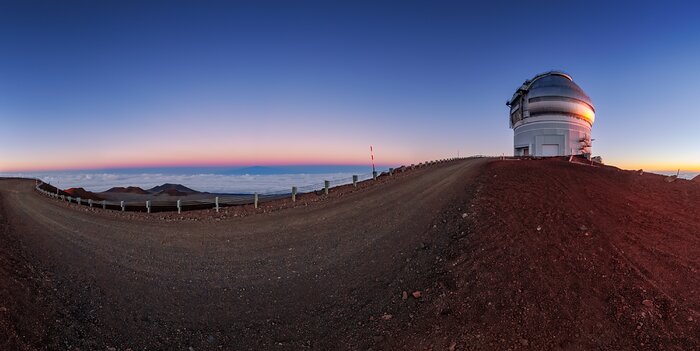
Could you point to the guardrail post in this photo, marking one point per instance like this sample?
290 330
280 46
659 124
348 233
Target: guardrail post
90 202
326 185
70 199
374 175
216 202
391 171
104 204
294 194
256 200
148 206
63 197
122 204
78 201
179 208
354 181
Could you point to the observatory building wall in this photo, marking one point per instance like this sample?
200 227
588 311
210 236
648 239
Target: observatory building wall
551 116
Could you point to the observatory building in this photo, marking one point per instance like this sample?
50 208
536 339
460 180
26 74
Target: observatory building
551 116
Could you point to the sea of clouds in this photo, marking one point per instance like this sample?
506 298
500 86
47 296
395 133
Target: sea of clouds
683 175
215 183
209 182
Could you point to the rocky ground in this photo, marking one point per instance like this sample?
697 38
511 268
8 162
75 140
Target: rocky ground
559 256
475 254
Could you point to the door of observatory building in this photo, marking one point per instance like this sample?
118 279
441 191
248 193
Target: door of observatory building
522 151
550 150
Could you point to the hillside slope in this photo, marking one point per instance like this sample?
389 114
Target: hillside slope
471 255
555 255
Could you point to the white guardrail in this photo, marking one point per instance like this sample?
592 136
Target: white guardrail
230 200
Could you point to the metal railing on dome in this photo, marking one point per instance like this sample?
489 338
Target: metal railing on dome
217 201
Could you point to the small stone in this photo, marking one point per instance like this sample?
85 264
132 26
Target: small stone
416 294
387 316
690 318
453 346
648 303
3 309
583 228
524 342
404 295
539 228
464 215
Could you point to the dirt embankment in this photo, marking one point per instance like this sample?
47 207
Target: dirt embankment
559 256
539 254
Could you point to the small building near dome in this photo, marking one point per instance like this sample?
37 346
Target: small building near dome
551 116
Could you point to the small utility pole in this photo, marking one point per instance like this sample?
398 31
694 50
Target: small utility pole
371 152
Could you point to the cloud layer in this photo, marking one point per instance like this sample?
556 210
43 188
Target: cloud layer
215 183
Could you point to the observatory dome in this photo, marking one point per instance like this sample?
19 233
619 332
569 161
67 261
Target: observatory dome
551 116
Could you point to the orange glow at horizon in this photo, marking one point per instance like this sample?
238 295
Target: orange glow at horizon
660 166
197 159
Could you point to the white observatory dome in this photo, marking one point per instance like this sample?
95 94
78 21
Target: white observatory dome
551 116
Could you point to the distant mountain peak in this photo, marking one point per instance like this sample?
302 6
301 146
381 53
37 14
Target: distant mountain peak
130 190
82 193
169 188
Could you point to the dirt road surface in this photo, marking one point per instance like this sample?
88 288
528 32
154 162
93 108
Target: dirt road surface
329 275
471 255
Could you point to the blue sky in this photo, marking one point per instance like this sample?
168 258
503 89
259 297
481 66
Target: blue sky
88 84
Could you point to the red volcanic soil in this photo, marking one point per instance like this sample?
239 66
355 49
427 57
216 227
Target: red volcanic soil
130 190
52 189
469 255
697 178
554 255
83 194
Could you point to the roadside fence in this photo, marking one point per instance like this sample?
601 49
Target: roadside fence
217 201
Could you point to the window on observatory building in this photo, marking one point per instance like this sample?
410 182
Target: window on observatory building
516 116
559 98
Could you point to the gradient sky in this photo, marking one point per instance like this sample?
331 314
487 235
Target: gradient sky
95 84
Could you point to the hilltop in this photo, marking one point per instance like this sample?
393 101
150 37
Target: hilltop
555 255
83 194
168 188
127 190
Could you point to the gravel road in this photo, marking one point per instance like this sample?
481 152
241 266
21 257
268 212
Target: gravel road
325 275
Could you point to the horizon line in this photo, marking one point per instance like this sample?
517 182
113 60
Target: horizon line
232 166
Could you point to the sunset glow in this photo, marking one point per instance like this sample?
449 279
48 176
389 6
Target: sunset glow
313 87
